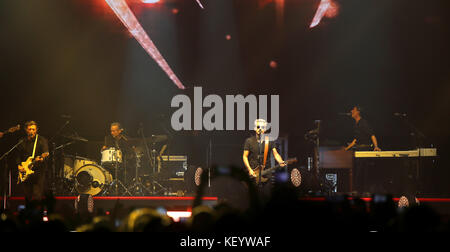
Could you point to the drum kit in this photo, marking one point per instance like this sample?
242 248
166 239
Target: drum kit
82 175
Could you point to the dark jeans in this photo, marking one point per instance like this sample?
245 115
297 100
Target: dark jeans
34 187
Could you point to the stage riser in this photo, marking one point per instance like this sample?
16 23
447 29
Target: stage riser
110 203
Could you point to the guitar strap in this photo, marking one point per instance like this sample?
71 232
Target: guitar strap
266 150
35 144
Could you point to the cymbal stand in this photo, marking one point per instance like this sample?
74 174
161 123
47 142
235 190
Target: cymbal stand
313 136
152 159
59 180
55 176
116 181
154 164
137 187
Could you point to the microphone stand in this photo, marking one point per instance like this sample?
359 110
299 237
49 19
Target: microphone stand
313 136
415 132
54 175
417 136
5 194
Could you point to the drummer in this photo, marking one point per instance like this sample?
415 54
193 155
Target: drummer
119 141
116 139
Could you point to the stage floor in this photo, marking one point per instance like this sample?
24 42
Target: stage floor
441 205
109 203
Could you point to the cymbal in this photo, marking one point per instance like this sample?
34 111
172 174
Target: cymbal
76 138
152 139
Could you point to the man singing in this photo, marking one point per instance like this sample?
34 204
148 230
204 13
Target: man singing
364 140
254 149
38 145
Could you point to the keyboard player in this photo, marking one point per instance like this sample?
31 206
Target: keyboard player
364 140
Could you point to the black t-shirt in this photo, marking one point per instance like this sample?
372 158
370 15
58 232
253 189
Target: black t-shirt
363 132
256 151
25 150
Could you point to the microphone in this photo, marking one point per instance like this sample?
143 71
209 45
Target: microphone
345 114
400 114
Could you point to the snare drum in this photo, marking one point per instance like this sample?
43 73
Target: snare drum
111 156
92 179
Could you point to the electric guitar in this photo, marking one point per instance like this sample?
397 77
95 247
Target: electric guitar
11 130
265 172
28 168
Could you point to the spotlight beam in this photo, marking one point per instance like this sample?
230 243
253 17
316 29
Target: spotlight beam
323 7
124 13
200 4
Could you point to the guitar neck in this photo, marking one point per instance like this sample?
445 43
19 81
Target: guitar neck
11 130
271 169
266 171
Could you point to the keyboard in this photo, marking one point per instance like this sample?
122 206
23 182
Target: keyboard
421 152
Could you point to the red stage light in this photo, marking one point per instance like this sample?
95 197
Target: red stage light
150 1
273 64
327 8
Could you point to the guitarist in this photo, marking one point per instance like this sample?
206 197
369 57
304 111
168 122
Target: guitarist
34 186
257 149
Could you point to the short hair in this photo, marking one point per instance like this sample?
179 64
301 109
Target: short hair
30 123
116 124
261 121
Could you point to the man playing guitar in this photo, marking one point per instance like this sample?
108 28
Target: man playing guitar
255 154
35 146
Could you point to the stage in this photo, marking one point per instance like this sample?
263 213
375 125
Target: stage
116 105
184 204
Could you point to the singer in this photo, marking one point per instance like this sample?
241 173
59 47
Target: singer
36 146
364 138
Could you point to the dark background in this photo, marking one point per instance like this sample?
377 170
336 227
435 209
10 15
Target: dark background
75 57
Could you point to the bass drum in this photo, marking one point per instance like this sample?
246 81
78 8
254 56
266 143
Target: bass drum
92 179
73 163
82 161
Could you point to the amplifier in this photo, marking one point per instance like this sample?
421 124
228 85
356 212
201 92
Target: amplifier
335 158
173 167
